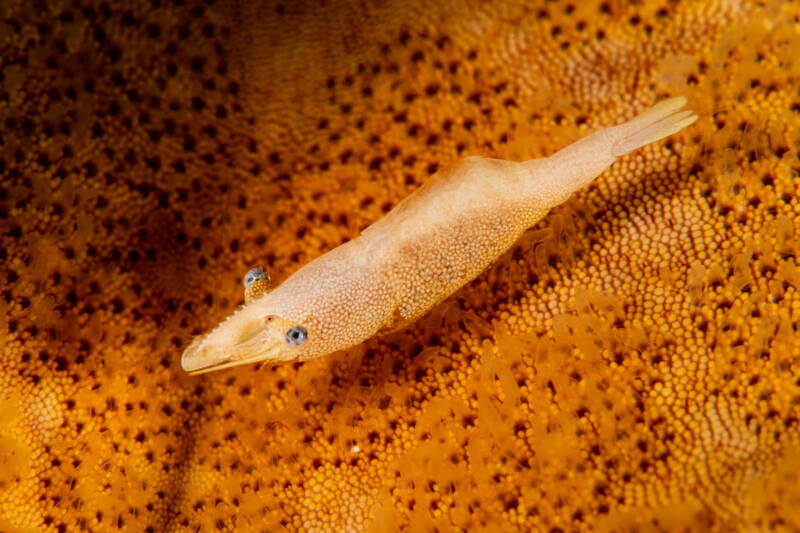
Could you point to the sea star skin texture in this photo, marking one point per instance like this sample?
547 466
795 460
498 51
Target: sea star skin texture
436 240
629 365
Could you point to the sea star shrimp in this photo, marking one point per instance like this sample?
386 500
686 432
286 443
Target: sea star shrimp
433 242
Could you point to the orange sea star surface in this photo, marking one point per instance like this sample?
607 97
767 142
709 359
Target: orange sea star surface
630 365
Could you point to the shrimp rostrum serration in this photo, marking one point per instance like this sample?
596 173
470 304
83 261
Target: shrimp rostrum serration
433 242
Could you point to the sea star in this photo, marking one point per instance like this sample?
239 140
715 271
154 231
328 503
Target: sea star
629 364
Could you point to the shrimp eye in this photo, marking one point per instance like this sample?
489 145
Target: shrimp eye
296 336
253 275
256 284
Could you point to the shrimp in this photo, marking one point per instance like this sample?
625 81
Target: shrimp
433 242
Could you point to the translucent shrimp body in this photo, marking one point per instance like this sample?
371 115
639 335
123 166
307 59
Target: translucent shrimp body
436 240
